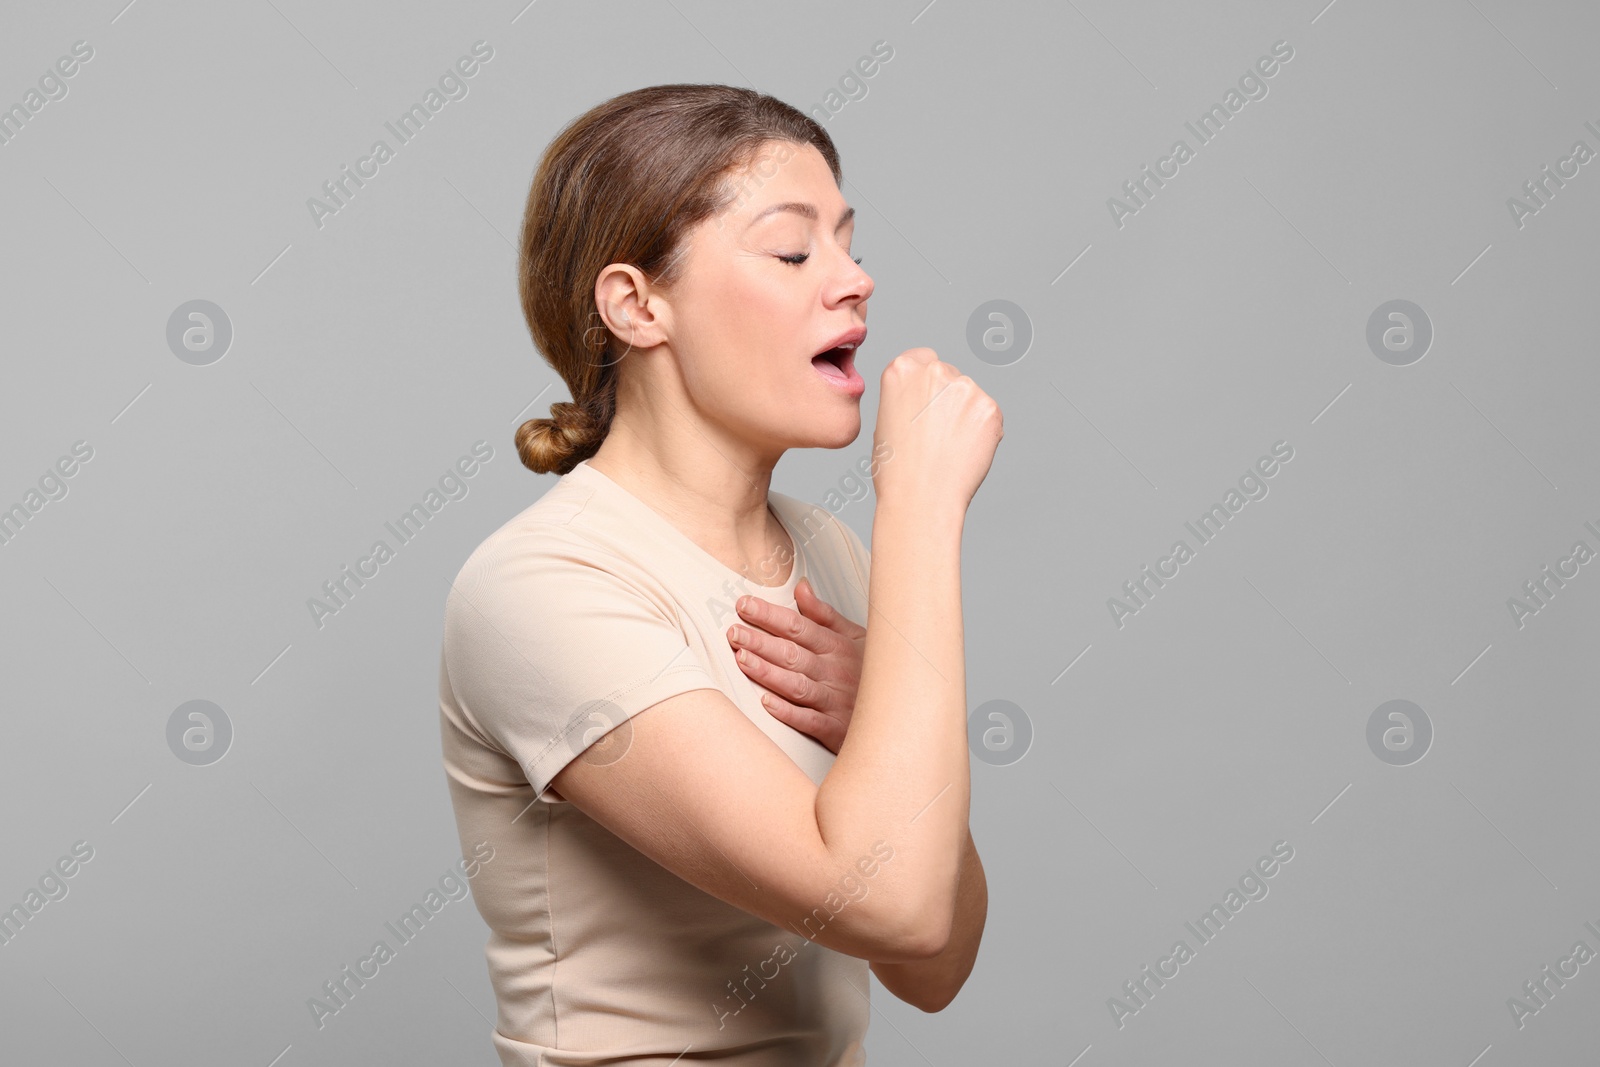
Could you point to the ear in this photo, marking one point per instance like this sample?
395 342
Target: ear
629 306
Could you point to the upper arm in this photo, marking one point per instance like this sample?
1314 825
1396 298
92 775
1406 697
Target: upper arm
694 785
591 686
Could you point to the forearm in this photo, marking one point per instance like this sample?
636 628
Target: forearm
902 774
931 984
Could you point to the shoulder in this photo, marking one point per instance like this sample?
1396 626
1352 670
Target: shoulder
545 552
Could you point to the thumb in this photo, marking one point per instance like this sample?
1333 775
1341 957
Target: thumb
818 610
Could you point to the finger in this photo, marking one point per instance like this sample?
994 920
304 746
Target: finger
827 730
785 623
780 651
793 685
814 607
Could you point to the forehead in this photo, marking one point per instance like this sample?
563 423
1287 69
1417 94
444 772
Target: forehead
783 172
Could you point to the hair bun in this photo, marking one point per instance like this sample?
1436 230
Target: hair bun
571 434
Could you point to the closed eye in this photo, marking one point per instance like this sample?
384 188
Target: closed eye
800 257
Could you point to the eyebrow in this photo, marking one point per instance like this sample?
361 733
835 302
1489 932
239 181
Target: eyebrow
803 210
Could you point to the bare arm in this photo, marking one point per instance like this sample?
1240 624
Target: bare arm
931 984
902 772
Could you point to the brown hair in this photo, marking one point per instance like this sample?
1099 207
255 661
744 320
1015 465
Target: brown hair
623 183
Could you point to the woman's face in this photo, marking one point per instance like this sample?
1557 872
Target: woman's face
764 287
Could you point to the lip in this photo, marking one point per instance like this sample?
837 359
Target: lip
852 337
851 384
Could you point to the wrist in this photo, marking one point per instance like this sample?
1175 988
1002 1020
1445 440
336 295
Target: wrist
940 518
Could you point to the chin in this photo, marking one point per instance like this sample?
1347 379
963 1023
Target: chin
832 430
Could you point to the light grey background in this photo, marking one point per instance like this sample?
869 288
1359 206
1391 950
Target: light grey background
1168 355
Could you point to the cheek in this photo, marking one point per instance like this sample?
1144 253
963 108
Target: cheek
750 328
765 322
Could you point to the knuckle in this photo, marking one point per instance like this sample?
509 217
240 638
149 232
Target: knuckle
910 359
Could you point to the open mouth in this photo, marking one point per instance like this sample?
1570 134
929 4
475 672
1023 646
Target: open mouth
838 363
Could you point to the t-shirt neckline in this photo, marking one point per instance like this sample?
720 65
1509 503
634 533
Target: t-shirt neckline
684 541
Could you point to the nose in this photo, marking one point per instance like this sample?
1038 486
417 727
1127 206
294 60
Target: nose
854 285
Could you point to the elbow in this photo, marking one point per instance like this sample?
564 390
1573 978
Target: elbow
933 1004
923 933
929 941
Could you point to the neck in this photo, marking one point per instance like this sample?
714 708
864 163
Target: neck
712 488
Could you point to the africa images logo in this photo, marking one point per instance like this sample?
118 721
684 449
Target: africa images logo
452 885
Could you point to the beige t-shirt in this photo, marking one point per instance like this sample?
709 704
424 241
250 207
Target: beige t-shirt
581 611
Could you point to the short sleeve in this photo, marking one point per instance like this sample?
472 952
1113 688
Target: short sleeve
546 649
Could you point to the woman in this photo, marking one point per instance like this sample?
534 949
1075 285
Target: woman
680 874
